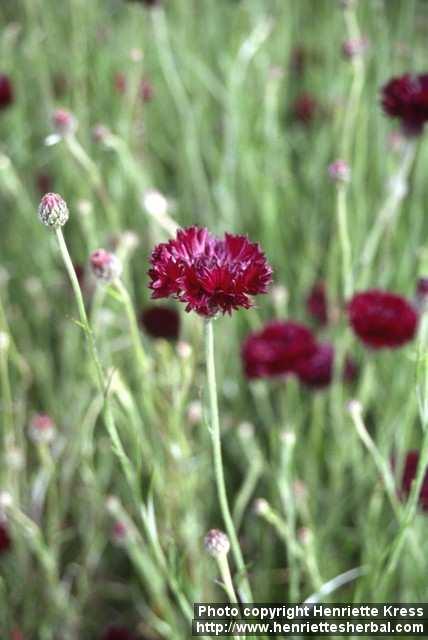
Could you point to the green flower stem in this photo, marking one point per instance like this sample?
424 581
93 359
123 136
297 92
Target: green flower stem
218 461
133 326
101 381
345 244
91 170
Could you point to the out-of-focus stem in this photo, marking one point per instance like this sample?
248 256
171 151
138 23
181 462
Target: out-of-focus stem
101 381
91 169
345 244
388 212
218 459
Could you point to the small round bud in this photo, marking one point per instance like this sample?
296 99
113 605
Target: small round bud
194 412
422 294
339 171
155 203
354 47
53 210
216 543
119 533
355 408
105 265
112 504
41 429
261 506
4 341
279 295
101 134
184 350
6 500
64 122
288 438
246 430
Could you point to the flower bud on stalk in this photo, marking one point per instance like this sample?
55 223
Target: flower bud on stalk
53 210
216 543
105 265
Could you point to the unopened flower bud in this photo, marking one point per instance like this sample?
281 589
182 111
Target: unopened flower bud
64 122
41 429
53 210
355 408
119 533
105 265
184 350
354 47
216 543
155 203
422 294
261 506
4 341
339 171
101 134
194 412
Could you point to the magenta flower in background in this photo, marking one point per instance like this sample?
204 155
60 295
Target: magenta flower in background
277 349
210 275
406 98
6 91
161 322
409 474
316 370
382 319
118 633
305 108
5 540
317 304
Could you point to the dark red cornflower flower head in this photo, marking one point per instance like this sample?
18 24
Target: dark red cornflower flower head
6 91
317 304
44 183
118 633
305 108
316 370
210 275
406 98
382 319
5 539
161 322
277 349
409 474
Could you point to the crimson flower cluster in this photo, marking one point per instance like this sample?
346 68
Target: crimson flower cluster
287 347
382 319
210 275
409 474
161 322
406 98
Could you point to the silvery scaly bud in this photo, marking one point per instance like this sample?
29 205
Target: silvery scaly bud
261 506
339 171
41 429
105 265
53 210
119 533
155 202
216 543
64 122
